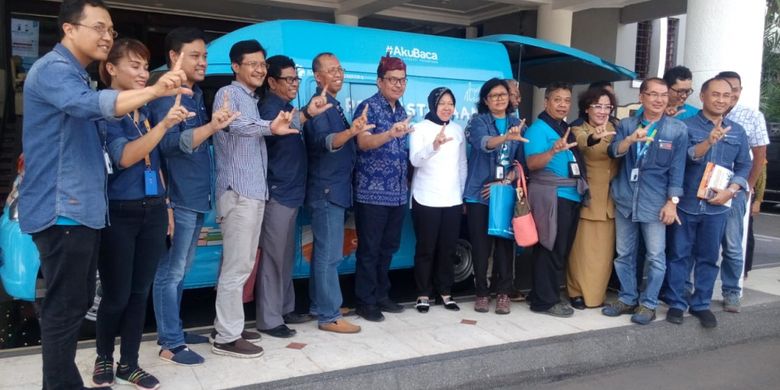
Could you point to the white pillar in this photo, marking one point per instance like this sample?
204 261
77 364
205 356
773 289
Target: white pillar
725 35
555 26
347 20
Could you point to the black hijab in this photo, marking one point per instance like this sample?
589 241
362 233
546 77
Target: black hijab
433 103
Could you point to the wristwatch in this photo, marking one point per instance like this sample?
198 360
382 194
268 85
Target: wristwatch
675 199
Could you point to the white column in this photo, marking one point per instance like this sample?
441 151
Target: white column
725 35
555 26
347 20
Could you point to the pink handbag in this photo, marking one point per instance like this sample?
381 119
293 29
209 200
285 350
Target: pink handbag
523 221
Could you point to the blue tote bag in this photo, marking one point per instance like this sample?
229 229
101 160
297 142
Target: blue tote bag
500 211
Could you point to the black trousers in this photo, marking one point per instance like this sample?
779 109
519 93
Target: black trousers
129 252
750 247
68 261
437 230
481 246
549 265
379 237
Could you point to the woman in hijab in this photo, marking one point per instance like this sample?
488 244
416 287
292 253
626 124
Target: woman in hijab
437 150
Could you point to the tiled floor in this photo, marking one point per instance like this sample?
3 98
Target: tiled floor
400 336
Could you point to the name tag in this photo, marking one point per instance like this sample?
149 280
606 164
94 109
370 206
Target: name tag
574 169
634 175
666 145
107 159
150 182
499 172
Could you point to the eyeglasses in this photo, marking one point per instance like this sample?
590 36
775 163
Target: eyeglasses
498 96
254 65
100 29
602 107
395 80
335 71
290 79
656 95
682 92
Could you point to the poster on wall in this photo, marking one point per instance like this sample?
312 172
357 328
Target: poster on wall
24 40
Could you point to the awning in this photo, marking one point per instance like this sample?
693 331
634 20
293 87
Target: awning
543 62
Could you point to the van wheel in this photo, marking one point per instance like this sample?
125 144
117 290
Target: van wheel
463 266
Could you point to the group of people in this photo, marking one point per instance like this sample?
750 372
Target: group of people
139 156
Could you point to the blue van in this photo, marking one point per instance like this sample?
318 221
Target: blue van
462 65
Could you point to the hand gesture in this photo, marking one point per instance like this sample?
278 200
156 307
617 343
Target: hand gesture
360 124
640 134
318 104
441 138
601 132
401 128
717 133
513 134
176 114
721 197
223 117
170 83
562 143
281 124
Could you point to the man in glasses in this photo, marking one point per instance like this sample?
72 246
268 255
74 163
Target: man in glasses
274 293
62 201
646 192
680 81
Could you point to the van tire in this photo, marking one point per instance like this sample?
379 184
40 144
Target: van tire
462 264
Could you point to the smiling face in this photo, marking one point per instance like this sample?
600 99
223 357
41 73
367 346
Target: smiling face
445 108
558 103
497 100
330 74
655 98
130 72
679 92
392 85
194 62
282 86
83 38
716 100
598 112
252 70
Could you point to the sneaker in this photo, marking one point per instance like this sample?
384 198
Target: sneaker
370 313
674 316
617 308
731 303
706 318
248 335
389 306
142 380
181 355
482 304
560 309
339 326
503 304
103 374
423 304
281 331
240 348
643 316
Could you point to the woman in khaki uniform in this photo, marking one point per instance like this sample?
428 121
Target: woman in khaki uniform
590 259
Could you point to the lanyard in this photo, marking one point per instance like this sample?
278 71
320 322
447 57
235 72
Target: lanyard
641 148
134 118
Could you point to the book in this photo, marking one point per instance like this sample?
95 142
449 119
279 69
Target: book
715 177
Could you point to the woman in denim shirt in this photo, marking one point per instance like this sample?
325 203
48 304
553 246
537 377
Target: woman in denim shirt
495 139
135 240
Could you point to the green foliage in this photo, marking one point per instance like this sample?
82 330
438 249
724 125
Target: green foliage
770 74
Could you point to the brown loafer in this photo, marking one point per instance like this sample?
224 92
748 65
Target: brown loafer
340 326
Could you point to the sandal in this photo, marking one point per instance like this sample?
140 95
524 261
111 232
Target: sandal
422 305
449 303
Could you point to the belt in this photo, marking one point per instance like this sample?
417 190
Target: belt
138 204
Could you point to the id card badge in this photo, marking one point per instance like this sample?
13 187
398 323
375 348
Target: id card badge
150 182
634 175
574 169
107 159
499 172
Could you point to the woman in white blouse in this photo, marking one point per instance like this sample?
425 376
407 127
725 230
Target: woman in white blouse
437 149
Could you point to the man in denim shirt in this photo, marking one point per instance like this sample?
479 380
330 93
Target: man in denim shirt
646 192
62 199
696 242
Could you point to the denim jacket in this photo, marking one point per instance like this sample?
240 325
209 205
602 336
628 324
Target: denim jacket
661 170
482 161
330 169
730 152
189 171
65 169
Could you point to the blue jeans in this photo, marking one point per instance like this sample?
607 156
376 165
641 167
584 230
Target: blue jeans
168 282
327 226
693 245
733 257
654 236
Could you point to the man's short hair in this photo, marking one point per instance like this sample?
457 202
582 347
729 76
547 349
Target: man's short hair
554 86
600 84
242 48
674 74
729 74
180 36
72 11
646 83
315 63
706 85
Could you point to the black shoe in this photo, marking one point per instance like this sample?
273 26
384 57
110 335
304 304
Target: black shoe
577 303
449 304
370 313
281 331
103 373
674 316
127 375
389 306
706 318
297 318
422 305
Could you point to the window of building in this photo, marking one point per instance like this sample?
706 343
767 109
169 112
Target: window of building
644 36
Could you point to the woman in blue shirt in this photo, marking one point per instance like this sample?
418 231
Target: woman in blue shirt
495 139
135 240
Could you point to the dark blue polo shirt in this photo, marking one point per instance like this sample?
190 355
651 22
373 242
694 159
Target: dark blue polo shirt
286 157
